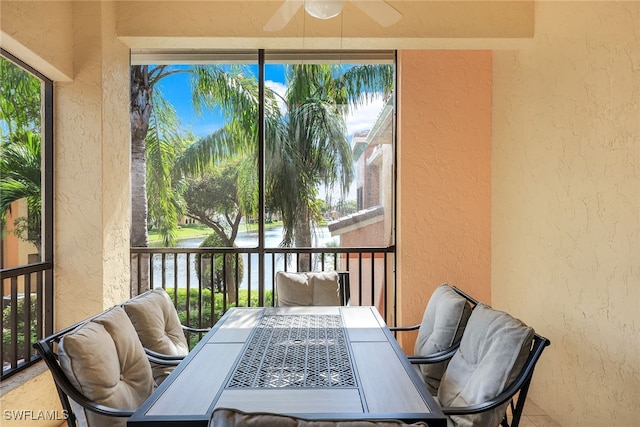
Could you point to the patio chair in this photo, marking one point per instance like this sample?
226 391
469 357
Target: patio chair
156 321
439 333
495 361
100 365
329 288
227 417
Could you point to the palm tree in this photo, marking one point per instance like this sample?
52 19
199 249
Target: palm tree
315 150
308 146
227 88
20 156
20 178
163 143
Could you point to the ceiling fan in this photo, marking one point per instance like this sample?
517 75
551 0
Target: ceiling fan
379 10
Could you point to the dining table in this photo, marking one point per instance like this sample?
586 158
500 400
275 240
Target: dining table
316 362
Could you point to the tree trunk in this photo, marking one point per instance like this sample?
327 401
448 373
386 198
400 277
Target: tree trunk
139 115
230 279
302 238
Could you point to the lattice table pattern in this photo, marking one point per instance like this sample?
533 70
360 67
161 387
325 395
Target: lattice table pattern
305 351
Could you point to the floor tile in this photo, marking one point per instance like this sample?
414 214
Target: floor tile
531 408
543 421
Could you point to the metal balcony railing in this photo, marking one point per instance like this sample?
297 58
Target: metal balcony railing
27 313
198 279
203 282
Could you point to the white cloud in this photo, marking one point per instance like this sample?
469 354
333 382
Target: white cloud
364 117
280 89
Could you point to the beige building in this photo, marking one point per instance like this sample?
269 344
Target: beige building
518 163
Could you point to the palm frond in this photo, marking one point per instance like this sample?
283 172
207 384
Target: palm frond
225 143
231 89
20 176
20 99
162 142
360 84
247 186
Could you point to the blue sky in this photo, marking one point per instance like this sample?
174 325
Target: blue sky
177 90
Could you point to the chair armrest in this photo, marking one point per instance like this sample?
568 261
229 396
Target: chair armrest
403 328
437 357
195 330
163 359
500 399
98 408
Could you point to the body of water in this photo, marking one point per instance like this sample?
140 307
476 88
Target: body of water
246 239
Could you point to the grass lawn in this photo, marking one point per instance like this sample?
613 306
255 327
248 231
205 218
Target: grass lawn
197 230
184 232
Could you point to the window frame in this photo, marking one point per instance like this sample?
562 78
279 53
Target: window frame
41 271
152 56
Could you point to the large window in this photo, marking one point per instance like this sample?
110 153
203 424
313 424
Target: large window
271 151
26 210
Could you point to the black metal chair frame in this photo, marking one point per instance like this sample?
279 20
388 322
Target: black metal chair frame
519 386
48 350
344 289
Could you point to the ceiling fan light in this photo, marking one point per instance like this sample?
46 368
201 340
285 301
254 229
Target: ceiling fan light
323 9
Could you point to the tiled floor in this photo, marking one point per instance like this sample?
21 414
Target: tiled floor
533 416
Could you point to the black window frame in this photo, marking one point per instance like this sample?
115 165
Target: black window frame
40 272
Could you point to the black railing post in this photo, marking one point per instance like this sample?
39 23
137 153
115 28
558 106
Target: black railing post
179 260
261 176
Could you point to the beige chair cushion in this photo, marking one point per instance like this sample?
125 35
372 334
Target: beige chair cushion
443 323
309 288
224 417
105 361
156 321
493 350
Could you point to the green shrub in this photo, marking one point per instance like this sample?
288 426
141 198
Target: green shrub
222 263
206 318
6 330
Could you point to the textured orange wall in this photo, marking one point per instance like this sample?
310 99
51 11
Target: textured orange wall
444 164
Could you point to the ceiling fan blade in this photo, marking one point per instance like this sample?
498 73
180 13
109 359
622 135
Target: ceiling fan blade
283 15
379 10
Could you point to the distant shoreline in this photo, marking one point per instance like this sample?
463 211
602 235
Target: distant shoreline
190 232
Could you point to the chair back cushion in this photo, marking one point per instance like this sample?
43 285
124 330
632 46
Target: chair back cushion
156 321
309 288
105 361
224 417
493 350
443 323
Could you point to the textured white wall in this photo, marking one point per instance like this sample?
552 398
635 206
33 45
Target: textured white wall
40 34
566 205
91 148
92 170
116 161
